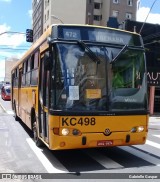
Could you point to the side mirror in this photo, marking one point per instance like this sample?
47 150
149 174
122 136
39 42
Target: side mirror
47 61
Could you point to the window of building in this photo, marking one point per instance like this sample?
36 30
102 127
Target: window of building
97 5
129 2
128 15
138 5
115 1
97 17
47 14
46 3
115 13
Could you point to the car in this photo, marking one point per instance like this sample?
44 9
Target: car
6 92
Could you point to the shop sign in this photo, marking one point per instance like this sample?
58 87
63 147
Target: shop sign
153 76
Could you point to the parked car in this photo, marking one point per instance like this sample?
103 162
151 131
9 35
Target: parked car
6 92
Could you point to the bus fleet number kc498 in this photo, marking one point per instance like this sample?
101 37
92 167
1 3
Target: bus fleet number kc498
78 121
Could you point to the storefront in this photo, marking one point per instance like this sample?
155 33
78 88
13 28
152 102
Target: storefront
153 76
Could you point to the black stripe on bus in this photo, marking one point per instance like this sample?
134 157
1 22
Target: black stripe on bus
97 113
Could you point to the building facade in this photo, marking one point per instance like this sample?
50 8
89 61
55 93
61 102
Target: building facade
96 12
37 18
9 63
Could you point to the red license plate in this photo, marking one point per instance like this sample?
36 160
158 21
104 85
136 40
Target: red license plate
104 143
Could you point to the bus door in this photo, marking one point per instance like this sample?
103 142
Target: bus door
19 90
44 98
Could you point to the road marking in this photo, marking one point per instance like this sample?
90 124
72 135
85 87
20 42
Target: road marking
43 159
142 155
2 107
103 160
153 144
157 136
10 112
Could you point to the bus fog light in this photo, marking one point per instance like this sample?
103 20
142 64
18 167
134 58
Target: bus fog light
65 131
134 129
75 132
140 128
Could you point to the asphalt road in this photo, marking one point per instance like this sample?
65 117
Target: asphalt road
19 155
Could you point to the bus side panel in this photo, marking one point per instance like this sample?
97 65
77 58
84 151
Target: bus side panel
28 101
31 95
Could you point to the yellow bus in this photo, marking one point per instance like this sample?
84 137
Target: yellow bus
83 86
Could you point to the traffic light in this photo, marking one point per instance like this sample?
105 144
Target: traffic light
29 35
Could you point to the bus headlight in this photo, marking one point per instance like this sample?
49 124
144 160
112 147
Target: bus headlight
137 129
140 128
65 131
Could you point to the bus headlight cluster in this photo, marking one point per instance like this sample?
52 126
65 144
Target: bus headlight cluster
137 129
67 131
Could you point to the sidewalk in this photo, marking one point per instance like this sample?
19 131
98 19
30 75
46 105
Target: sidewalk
154 118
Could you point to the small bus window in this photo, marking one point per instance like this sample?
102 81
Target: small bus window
29 65
36 59
32 62
24 68
34 68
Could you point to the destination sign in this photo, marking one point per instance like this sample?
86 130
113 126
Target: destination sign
96 34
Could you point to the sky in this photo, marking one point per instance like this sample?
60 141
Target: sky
16 16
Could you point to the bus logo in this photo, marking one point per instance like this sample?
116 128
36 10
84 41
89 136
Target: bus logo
107 131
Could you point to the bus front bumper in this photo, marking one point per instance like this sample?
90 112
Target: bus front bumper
92 140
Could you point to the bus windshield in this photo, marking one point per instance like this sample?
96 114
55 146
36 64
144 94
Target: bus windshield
113 83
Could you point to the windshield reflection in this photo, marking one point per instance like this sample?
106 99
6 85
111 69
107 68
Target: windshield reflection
83 84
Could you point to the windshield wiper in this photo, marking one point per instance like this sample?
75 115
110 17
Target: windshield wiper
119 54
91 54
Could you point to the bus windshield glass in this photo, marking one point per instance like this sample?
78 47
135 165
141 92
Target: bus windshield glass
81 83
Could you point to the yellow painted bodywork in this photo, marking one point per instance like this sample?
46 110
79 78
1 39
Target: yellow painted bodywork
28 98
120 127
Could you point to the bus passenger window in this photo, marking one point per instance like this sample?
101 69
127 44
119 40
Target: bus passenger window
34 69
28 66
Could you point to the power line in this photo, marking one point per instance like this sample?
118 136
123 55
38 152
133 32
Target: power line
7 48
16 46
147 17
12 32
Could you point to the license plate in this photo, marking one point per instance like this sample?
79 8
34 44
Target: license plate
104 143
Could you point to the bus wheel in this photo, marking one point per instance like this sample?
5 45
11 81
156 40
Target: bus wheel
37 141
